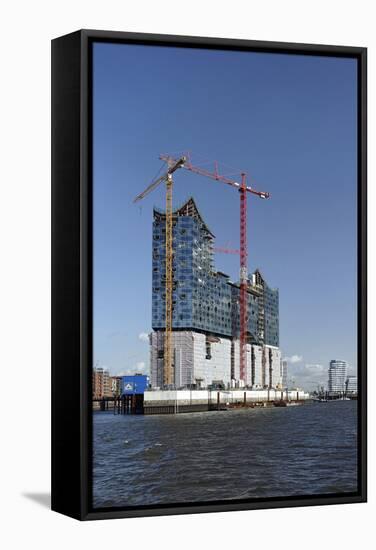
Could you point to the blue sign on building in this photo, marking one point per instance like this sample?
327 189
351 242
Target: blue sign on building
134 384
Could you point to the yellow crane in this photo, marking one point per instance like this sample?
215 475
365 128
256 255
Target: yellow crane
173 165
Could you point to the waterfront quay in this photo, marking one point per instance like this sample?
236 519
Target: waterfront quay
180 401
185 401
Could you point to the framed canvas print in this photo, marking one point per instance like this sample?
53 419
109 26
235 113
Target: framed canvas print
208 274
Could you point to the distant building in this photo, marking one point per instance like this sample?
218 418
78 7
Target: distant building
116 385
284 374
352 384
101 383
337 376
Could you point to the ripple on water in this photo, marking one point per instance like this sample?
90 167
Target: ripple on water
251 453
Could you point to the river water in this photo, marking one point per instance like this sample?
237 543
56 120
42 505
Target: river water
248 453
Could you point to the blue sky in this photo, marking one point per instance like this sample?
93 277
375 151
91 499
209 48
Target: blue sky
288 121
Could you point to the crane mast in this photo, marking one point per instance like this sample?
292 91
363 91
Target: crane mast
168 351
173 165
243 276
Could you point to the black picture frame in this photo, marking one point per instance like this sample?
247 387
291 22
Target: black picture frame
72 273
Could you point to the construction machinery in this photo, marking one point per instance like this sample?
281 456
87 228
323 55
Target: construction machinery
184 161
173 165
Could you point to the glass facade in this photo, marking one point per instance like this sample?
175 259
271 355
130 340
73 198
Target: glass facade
203 299
271 304
252 315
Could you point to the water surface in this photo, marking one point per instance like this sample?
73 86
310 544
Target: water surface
304 450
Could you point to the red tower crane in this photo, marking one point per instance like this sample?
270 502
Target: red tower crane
243 189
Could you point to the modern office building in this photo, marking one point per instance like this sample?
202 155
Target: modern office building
202 296
352 384
205 318
337 376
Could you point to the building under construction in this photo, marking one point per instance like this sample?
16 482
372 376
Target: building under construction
205 313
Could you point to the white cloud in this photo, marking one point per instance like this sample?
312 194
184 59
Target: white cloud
315 367
294 359
309 370
139 367
308 376
144 337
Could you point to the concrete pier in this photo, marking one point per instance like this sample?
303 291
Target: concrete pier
180 401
